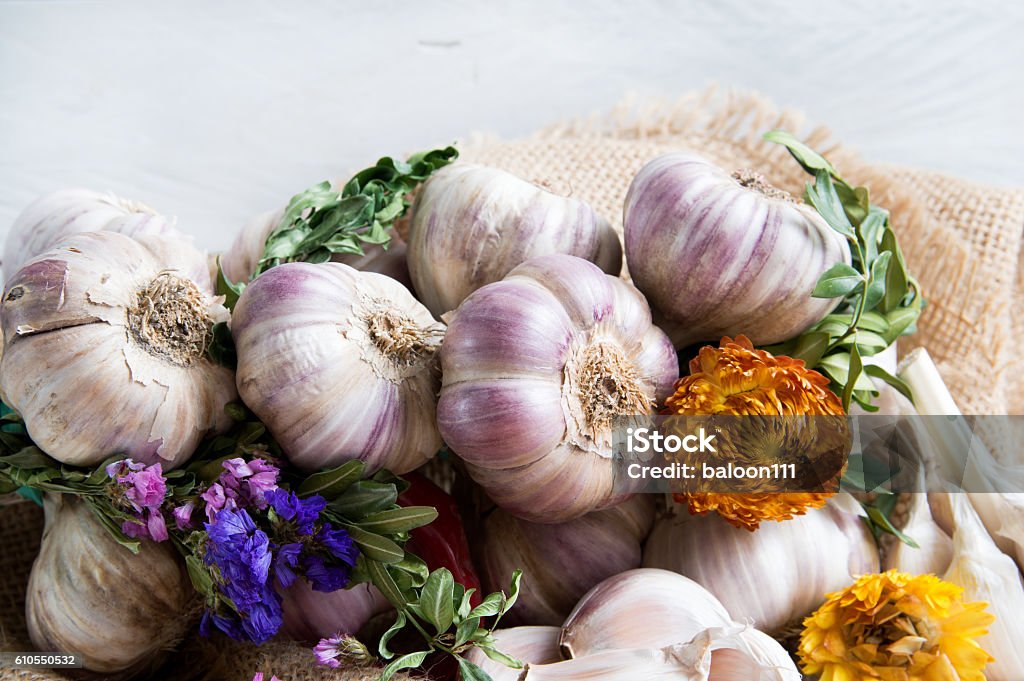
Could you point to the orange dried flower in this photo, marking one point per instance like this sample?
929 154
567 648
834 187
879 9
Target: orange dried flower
736 379
896 627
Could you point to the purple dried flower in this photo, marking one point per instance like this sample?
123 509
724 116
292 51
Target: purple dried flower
218 498
241 551
330 652
285 563
183 515
146 488
303 512
338 543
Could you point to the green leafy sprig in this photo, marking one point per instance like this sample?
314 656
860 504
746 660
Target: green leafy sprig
442 612
879 299
320 222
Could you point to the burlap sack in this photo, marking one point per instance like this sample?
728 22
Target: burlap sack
962 240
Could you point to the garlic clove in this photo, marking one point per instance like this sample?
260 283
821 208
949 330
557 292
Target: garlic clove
88 594
768 577
1003 516
639 609
530 645
727 653
934 547
561 561
472 225
986 574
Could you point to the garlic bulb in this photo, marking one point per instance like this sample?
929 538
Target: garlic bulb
312 615
472 225
731 653
87 594
537 369
719 254
986 574
241 260
532 645
105 349
53 217
772 576
563 560
1003 516
339 365
642 608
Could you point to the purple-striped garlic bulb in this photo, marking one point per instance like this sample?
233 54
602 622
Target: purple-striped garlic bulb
537 371
312 615
105 340
340 365
720 254
565 559
471 225
241 260
49 219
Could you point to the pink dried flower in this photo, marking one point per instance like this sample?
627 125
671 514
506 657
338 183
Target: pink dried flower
183 515
331 652
146 488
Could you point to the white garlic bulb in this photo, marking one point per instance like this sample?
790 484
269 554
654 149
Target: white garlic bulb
339 365
719 254
986 574
769 577
530 645
642 608
53 217
730 653
105 340
88 594
471 225
565 559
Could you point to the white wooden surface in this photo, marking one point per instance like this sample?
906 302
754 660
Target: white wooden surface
215 111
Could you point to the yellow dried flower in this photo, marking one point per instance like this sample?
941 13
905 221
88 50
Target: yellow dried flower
896 627
737 380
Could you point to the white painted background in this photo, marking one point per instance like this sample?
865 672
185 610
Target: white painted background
215 111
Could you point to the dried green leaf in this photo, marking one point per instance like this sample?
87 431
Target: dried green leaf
838 281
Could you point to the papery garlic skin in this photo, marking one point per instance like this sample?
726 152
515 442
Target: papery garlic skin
339 365
772 576
312 615
53 217
530 645
642 608
934 549
105 349
565 560
727 653
240 261
537 370
986 574
719 255
87 594
471 225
